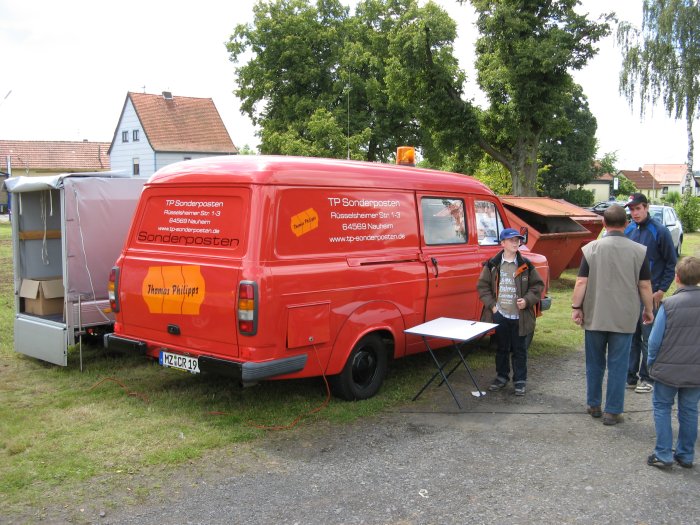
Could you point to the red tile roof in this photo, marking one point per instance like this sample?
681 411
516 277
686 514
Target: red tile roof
643 180
667 173
56 156
182 124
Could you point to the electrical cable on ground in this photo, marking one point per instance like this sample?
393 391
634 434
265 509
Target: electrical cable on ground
300 416
143 397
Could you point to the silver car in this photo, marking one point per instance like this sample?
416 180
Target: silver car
666 215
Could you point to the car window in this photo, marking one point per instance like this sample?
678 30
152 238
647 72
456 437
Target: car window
443 221
488 222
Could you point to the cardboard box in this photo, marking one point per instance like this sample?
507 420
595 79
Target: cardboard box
42 296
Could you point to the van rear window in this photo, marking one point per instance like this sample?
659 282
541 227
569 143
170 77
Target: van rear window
341 221
206 221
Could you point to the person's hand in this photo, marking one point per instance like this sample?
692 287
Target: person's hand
577 316
647 316
522 303
494 309
656 298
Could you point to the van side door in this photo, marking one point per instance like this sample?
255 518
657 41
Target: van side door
452 262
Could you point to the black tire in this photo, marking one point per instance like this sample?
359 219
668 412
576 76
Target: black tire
364 371
680 244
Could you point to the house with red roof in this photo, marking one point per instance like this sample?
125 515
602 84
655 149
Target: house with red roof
156 130
31 158
672 177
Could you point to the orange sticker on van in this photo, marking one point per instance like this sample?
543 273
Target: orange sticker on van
304 222
173 289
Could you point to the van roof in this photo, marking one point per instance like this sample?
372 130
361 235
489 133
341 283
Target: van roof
305 171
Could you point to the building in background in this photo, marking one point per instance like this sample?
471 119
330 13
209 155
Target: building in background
33 158
156 130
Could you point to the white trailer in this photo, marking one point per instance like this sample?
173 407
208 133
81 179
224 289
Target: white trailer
67 229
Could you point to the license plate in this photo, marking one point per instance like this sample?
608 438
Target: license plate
181 362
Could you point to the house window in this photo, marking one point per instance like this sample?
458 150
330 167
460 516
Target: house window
137 169
125 136
135 135
188 158
664 190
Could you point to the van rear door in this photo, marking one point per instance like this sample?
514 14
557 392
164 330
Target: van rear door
180 273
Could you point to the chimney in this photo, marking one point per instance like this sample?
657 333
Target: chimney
167 95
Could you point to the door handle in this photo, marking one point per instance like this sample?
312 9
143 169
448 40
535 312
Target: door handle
435 265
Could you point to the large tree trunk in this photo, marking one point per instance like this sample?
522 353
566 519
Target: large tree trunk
524 167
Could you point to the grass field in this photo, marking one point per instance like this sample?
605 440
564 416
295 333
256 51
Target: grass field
62 430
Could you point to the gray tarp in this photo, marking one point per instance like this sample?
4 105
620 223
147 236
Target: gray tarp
98 212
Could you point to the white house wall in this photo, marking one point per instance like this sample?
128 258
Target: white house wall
163 159
123 153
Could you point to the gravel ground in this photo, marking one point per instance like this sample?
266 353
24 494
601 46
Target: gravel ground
501 459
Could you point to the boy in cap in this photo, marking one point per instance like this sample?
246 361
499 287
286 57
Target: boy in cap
674 364
510 287
661 253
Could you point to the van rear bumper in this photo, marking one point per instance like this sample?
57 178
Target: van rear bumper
246 372
114 342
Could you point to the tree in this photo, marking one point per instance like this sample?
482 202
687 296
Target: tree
316 83
661 62
524 55
569 150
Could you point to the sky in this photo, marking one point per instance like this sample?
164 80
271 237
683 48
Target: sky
67 67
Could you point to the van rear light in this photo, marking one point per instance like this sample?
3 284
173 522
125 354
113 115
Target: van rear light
112 288
247 308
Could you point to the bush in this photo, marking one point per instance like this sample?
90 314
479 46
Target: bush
579 197
689 212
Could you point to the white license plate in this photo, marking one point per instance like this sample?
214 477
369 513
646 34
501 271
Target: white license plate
181 362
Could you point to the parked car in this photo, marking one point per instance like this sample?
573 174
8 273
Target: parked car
667 216
600 207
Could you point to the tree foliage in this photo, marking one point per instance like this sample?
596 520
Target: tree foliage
661 61
317 80
569 150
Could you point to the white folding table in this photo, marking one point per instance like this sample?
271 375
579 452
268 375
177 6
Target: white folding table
460 331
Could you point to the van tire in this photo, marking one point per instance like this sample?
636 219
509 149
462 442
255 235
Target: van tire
364 371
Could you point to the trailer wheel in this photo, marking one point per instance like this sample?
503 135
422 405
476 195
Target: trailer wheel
364 371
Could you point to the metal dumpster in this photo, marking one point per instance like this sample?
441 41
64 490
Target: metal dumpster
553 232
593 223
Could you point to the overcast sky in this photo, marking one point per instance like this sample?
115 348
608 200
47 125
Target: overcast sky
68 66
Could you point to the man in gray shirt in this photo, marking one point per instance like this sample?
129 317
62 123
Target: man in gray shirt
614 274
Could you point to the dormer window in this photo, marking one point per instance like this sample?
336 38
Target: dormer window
135 135
125 136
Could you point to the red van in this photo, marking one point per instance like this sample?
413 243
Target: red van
280 267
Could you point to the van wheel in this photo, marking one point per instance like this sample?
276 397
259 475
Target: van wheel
680 244
364 371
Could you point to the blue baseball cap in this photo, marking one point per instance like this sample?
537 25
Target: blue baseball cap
509 233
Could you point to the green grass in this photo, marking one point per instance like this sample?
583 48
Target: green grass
61 429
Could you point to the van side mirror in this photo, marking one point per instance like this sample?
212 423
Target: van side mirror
524 233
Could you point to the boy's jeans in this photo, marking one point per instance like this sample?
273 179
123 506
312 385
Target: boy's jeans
662 400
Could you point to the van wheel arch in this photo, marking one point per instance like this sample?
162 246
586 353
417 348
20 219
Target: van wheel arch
365 369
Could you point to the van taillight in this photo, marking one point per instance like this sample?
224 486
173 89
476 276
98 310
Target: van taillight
247 308
112 287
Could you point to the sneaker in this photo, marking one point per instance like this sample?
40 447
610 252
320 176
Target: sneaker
611 419
520 389
653 461
497 384
684 464
632 386
644 387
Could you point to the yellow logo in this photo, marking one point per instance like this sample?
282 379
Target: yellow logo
304 222
173 290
